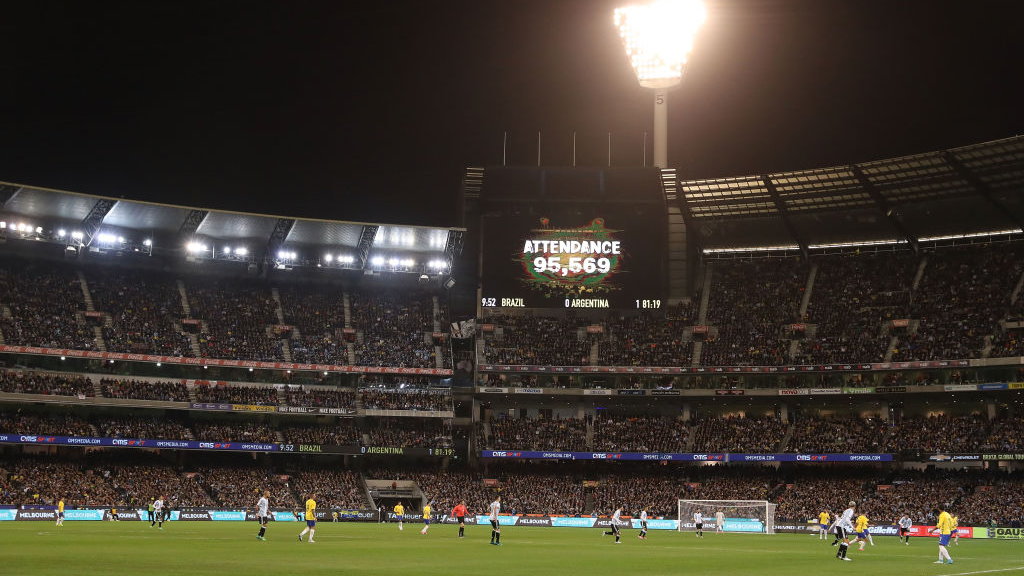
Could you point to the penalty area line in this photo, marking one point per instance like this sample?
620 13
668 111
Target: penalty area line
986 571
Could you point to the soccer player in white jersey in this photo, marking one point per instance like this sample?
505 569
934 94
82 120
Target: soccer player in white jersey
905 523
263 514
158 511
698 523
719 522
843 526
495 511
643 524
616 517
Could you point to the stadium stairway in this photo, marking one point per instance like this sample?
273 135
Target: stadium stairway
702 314
184 299
86 295
691 439
97 389
786 438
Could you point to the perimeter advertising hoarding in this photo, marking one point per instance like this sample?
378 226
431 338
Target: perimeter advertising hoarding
43 439
656 456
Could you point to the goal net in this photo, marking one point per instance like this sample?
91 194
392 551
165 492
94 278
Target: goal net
751 516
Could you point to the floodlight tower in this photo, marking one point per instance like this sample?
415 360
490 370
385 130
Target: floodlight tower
658 37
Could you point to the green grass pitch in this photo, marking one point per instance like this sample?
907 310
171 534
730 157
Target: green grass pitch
226 548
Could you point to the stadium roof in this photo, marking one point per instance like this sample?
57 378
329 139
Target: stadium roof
171 227
966 190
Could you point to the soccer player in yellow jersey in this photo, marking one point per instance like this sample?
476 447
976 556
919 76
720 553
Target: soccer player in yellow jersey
944 526
861 528
956 531
823 519
310 518
60 512
426 519
399 514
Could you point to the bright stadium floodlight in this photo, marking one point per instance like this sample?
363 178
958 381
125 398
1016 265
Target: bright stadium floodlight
329 258
147 242
659 38
241 251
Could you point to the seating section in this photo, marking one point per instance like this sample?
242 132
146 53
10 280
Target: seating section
396 328
238 318
144 311
42 306
751 302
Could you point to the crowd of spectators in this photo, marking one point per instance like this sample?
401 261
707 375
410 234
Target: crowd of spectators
406 399
142 482
753 434
1005 435
44 301
144 390
841 435
542 340
240 431
144 309
996 501
56 424
239 316
916 494
805 498
341 433
853 295
750 303
308 397
639 434
940 433
19 382
143 427
963 295
319 315
566 434
333 488
227 394
241 488
42 481
644 340
396 328
422 433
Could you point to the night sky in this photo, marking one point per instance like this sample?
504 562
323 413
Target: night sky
371 110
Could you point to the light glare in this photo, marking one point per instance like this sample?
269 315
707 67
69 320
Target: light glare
659 38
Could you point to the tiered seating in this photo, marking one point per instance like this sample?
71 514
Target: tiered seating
319 314
238 315
44 302
852 296
750 303
963 295
395 327
144 310
539 340
144 390
48 384
523 434
639 434
753 434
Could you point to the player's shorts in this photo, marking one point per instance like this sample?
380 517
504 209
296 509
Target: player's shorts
311 523
954 531
840 532
904 531
263 520
862 534
823 526
643 525
699 525
494 524
461 519
944 539
398 517
426 521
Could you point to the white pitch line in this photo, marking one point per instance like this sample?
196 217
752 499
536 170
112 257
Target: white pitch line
986 571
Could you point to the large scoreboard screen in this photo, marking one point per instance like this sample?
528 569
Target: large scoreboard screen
558 256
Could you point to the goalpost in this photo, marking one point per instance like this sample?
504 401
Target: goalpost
749 516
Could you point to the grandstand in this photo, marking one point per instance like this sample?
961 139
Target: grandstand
816 326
